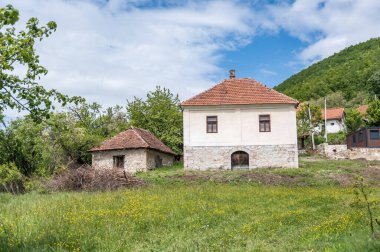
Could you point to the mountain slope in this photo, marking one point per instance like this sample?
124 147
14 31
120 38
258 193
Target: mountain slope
346 71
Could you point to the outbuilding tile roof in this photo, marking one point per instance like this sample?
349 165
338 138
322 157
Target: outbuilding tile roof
243 91
134 138
333 113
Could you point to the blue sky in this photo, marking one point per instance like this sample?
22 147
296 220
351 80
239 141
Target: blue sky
269 58
110 51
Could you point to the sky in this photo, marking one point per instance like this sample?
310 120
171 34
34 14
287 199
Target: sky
111 51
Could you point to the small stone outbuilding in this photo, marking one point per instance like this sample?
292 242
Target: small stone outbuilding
132 150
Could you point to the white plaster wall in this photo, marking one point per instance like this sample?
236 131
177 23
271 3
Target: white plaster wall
337 127
239 125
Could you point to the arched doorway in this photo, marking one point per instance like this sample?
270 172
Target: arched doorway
239 159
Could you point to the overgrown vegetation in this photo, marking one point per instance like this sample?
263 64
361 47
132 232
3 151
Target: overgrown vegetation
177 211
352 72
11 180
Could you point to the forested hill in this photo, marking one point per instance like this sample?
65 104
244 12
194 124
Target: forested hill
347 72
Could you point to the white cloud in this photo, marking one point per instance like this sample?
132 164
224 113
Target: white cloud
328 25
110 51
113 51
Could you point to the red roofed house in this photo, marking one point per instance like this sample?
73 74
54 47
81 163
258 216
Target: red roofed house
240 123
335 119
132 150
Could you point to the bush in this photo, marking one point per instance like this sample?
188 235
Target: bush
336 138
319 139
11 180
90 179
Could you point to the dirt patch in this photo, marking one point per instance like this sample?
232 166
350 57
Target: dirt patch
272 179
262 178
372 174
343 179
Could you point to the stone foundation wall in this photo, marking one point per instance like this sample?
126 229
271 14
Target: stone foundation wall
219 157
167 159
364 153
333 151
341 152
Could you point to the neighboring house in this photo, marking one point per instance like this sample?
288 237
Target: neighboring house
364 138
239 123
132 150
335 120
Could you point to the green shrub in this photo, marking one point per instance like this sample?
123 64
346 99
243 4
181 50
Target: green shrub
11 180
336 138
319 139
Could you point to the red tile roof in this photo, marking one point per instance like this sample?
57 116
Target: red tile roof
133 138
239 92
333 113
363 109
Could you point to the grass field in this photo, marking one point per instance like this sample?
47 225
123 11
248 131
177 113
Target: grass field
312 208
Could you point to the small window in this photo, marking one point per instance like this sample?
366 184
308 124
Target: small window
374 134
353 139
212 124
360 136
118 162
264 121
332 124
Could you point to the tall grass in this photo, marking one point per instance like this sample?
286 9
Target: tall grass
200 211
183 217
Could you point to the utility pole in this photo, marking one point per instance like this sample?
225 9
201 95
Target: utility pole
311 126
325 120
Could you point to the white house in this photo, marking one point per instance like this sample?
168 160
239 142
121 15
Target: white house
334 120
240 123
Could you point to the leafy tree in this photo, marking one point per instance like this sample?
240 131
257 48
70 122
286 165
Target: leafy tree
305 126
28 145
353 120
373 113
161 114
22 92
374 82
103 123
72 139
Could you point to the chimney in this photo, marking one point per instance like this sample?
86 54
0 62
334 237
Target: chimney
232 74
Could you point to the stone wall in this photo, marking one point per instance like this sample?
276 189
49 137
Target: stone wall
341 152
364 153
134 160
167 159
333 151
219 157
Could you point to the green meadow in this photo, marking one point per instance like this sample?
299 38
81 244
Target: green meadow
313 208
